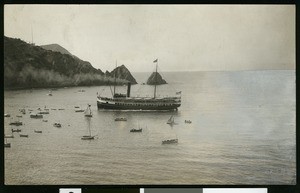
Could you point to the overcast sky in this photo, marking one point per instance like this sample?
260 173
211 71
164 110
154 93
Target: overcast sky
182 37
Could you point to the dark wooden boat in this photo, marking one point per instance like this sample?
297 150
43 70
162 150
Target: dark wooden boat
36 116
15 130
120 119
6 144
57 125
136 130
188 121
16 123
170 141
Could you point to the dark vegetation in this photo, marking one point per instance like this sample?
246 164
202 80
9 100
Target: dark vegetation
30 66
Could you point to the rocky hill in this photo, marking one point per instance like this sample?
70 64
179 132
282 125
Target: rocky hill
56 48
122 73
152 80
30 66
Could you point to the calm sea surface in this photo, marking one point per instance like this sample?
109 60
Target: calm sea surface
242 132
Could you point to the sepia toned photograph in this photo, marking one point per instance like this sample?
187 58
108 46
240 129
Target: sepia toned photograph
149 95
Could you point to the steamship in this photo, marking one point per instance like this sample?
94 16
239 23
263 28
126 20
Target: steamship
126 102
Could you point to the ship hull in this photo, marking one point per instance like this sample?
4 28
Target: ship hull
140 107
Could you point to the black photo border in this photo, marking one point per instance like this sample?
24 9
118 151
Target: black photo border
135 188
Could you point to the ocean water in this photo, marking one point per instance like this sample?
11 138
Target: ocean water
242 132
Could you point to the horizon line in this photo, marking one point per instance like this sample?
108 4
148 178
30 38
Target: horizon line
221 70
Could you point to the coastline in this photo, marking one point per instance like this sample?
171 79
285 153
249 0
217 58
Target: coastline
55 86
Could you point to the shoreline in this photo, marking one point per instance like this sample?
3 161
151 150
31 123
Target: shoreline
56 87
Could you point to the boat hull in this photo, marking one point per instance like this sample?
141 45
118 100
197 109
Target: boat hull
38 116
7 145
15 130
103 105
88 137
16 123
120 119
136 130
57 125
170 141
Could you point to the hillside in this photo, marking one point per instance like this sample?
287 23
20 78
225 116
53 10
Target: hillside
56 48
152 80
30 66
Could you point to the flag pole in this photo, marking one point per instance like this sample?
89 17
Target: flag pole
155 79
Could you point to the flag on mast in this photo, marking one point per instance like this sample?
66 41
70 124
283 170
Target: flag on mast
155 60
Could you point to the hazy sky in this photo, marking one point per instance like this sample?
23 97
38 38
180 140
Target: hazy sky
182 37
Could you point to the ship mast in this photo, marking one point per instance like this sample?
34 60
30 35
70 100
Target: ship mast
115 79
155 78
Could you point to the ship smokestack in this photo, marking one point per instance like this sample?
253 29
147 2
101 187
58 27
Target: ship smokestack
128 89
